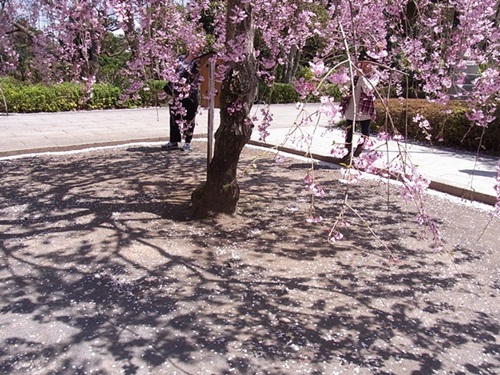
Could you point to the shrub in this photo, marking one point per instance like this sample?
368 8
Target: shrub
285 93
104 96
40 98
305 72
333 91
278 93
449 125
25 97
152 93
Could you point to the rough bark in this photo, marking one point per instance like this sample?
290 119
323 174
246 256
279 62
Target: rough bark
292 65
220 193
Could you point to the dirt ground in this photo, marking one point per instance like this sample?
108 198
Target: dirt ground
103 272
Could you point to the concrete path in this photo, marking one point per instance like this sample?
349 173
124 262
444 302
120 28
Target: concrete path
458 173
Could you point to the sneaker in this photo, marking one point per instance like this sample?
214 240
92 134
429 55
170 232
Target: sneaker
346 160
186 147
170 146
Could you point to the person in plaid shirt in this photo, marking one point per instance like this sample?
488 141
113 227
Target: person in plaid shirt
361 109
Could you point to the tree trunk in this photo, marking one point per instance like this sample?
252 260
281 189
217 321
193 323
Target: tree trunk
220 193
292 65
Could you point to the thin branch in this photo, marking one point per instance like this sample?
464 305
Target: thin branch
4 99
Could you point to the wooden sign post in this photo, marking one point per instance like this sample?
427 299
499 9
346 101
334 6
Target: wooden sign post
210 96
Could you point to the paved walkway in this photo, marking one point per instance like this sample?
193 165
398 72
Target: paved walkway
457 173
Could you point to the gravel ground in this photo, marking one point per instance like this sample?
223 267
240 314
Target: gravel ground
103 272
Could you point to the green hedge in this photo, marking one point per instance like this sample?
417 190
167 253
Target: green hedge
26 98
149 94
40 98
103 96
449 124
277 94
285 93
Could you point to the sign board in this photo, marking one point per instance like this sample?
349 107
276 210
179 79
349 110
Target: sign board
205 82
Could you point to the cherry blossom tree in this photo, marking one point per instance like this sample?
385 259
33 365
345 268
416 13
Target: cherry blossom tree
427 42
221 191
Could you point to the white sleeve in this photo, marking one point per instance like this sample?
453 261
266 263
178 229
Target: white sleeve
368 84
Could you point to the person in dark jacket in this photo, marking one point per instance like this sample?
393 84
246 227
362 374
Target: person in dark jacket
184 103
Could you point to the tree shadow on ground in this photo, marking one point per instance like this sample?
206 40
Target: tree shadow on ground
103 272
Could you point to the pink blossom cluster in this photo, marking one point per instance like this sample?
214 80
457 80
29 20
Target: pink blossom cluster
316 191
331 109
423 124
265 124
414 184
305 87
385 136
335 236
413 189
366 162
310 185
486 97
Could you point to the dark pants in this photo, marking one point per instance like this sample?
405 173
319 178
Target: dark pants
187 122
365 130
